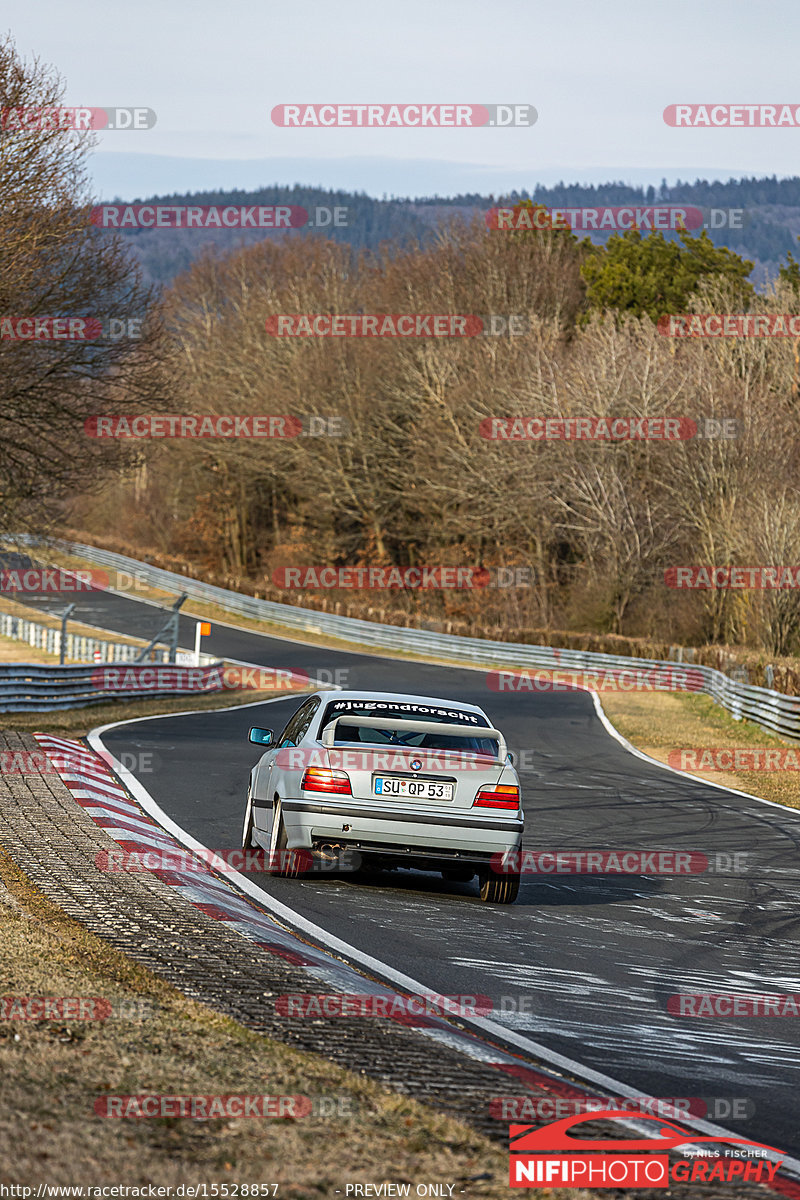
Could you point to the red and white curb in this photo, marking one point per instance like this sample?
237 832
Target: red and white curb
101 795
98 791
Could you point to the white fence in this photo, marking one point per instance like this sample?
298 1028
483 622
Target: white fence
79 647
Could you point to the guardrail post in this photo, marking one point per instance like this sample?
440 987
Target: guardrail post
63 640
170 629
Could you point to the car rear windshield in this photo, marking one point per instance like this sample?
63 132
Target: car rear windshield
349 734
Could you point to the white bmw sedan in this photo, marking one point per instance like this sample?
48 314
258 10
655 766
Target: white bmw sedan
391 780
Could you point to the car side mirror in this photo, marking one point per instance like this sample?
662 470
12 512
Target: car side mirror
261 737
511 759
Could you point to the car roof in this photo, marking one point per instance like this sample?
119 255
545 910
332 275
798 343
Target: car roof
399 697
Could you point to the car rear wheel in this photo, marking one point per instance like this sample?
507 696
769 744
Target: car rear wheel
283 861
499 889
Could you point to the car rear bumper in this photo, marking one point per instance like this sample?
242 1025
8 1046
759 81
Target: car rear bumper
455 834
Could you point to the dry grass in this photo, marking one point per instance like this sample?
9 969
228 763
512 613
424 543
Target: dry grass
53 1071
660 722
12 651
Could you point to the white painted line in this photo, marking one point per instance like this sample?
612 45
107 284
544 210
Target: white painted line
383 970
609 728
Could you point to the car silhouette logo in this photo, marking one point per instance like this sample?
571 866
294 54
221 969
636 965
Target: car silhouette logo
556 1136
416 763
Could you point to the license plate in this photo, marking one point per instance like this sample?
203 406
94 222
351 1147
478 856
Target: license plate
417 789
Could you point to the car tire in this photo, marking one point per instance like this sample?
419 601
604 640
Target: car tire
289 867
498 889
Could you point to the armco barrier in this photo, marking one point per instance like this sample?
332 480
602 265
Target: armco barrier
764 707
38 688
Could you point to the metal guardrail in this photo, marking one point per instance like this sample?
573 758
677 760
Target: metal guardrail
39 688
772 710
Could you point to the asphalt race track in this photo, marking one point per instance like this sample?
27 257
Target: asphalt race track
584 965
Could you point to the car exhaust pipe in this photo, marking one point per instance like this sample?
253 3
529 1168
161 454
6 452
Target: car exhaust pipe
330 851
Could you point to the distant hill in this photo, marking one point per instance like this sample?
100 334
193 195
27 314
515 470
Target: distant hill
164 253
770 227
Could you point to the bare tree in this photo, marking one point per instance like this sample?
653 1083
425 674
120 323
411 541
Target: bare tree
55 264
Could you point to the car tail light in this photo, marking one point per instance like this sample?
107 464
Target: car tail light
320 779
501 795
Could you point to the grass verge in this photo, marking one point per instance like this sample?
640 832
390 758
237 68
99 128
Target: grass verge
660 723
161 1042
12 651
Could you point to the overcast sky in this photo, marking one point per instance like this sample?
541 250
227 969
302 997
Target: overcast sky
599 72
